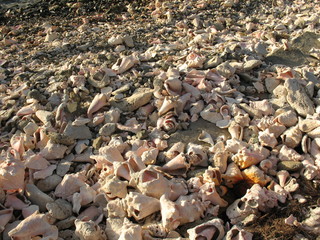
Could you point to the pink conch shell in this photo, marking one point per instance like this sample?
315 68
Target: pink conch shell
282 177
42 174
86 196
168 104
235 130
264 106
113 187
35 225
288 118
239 210
292 137
266 138
213 229
5 217
210 114
130 230
173 86
88 230
151 183
177 165
99 101
212 175
246 158
220 159
208 192
107 156
175 150
289 154
169 213
177 188
17 143
190 208
195 92
125 64
232 175
254 175
117 208
197 107
237 233
11 175
139 206
70 184
197 155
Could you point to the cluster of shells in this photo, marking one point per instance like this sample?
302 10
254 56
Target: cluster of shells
87 155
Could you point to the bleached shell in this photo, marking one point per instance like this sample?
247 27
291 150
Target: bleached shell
246 158
315 148
315 133
173 86
88 230
125 63
205 137
239 210
264 106
5 217
195 92
234 145
208 192
170 215
177 188
306 144
289 154
32 226
36 161
210 115
197 155
307 125
152 183
235 130
174 150
117 208
197 107
70 184
107 155
236 232
267 139
139 206
176 166
288 118
113 187
167 105
292 137
150 156
232 175
130 230
220 159
242 119
53 151
277 129
99 101
11 175
190 208
254 175
208 230
212 174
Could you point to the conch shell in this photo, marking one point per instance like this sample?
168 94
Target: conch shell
292 137
213 229
254 175
35 225
89 230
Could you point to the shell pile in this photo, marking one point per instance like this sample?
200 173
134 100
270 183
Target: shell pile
88 111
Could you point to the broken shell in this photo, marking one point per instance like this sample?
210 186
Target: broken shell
236 232
288 118
169 213
88 230
208 192
99 101
292 137
307 125
176 166
254 175
113 187
139 206
130 230
5 217
232 175
197 155
213 229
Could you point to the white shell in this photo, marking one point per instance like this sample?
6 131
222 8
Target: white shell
208 230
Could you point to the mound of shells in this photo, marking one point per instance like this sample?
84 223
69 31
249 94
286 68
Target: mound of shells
88 110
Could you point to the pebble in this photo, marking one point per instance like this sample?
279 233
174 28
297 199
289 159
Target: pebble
251 64
128 41
53 151
30 128
64 165
49 183
271 84
37 197
77 132
51 37
44 116
291 166
59 209
298 98
108 129
66 223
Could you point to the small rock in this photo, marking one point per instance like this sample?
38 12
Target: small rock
122 89
249 220
251 64
97 142
37 197
291 166
72 107
119 48
298 98
108 129
30 128
35 94
132 103
2 196
66 223
271 84
64 165
115 40
77 132
261 48
226 70
59 138
51 37
44 116
59 209
49 183
128 41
